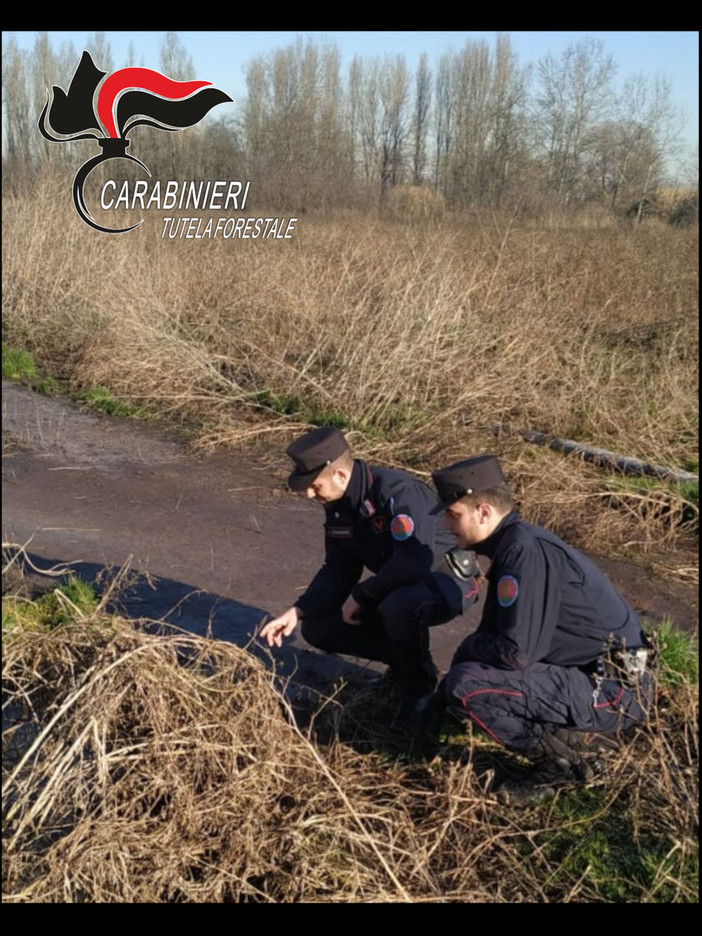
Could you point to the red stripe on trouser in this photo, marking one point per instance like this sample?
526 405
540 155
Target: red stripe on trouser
475 718
613 702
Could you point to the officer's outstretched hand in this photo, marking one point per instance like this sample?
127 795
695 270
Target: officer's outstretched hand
283 626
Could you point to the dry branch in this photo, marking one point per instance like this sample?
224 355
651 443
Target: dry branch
606 459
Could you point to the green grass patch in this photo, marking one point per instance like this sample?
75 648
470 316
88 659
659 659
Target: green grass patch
17 364
49 386
331 418
378 425
73 600
285 404
678 656
282 403
603 848
101 400
680 503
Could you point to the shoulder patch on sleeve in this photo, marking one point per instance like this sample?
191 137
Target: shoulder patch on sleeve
507 590
402 527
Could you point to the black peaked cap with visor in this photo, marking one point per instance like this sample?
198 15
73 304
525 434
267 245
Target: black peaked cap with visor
469 476
312 453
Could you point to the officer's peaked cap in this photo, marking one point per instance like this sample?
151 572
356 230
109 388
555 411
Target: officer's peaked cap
312 453
466 477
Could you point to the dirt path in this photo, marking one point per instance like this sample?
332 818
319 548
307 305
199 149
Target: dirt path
216 541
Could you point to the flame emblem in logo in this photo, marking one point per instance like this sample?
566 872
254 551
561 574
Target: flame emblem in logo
127 98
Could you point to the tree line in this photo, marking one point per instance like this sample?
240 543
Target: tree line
478 127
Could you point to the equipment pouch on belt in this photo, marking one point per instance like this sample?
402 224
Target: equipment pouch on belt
627 666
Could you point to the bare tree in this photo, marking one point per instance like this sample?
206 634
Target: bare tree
631 151
174 152
17 109
468 101
368 110
507 144
101 52
392 87
479 122
131 60
254 117
44 74
572 98
292 122
378 105
444 129
422 101
663 123
689 169
335 166
353 110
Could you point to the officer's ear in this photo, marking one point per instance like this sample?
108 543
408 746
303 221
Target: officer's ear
342 476
485 511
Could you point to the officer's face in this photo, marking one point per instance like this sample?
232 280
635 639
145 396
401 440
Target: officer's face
470 525
326 488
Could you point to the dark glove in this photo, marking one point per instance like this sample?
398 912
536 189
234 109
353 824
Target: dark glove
463 563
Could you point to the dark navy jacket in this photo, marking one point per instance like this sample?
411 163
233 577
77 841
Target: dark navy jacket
382 524
546 602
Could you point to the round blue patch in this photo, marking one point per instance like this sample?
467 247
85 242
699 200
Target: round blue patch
507 591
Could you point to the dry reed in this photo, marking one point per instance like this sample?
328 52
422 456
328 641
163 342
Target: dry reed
143 767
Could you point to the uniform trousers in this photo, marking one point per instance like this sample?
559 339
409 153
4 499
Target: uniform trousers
516 707
396 631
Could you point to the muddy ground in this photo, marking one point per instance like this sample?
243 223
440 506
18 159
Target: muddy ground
213 544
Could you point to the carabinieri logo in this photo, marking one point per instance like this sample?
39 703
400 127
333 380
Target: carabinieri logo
158 101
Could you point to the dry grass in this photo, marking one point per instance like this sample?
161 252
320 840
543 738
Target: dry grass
431 339
142 767
164 768
414 203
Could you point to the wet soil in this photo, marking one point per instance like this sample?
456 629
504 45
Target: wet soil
212 544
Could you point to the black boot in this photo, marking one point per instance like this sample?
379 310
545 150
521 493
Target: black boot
593 742
387 681
421 718
555 763
413 715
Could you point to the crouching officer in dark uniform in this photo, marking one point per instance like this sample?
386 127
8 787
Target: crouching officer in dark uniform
557 665
377 519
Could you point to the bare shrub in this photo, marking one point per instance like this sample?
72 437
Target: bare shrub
415 203
164 768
